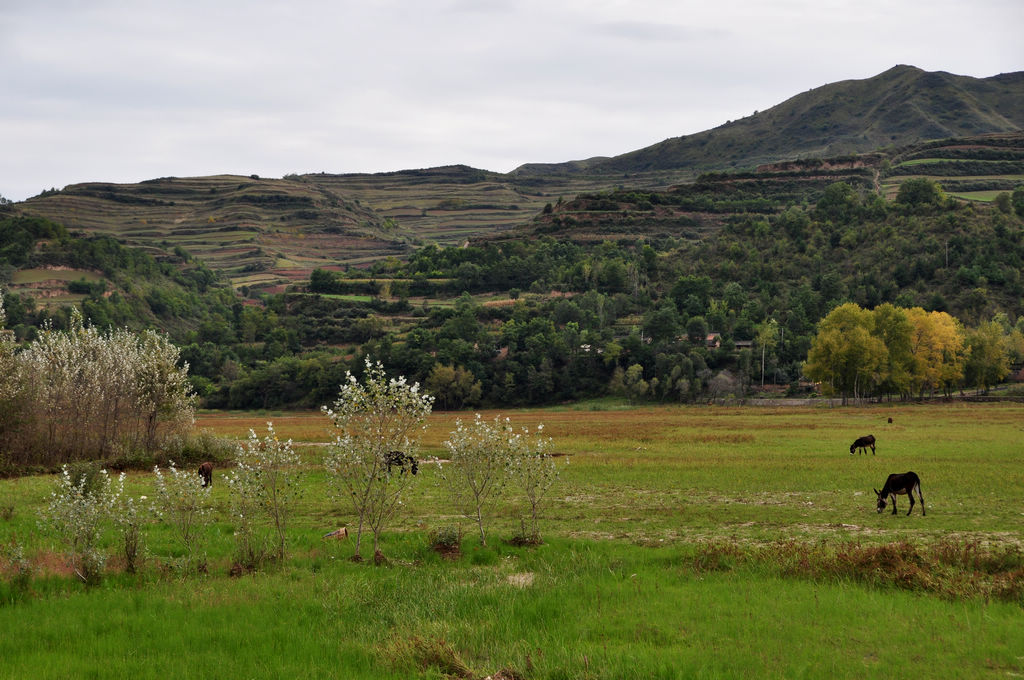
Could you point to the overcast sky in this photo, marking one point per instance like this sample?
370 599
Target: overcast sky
123 91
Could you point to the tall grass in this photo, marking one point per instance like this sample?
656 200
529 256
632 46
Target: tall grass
588 610
682 542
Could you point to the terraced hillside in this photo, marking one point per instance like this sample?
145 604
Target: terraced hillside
260 232
972 168
267 233
448 205
698 209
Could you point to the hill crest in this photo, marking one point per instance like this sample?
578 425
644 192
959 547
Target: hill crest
900 106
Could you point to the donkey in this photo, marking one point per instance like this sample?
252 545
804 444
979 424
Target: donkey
863 443
401 460
896 484
206 473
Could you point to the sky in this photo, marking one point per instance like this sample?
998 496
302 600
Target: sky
129 90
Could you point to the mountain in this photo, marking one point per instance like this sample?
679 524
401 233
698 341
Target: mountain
901 106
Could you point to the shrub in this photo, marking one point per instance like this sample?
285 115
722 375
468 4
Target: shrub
182 500
446 541
265 488
77 511
23 570
480 456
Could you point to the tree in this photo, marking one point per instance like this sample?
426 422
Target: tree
372 420
662 324
1017 199
1003 203
634 385
767 338
844 356
322 281
480 455
453 387
697 330
988 359
938 350
893 328
919 192
162 391
839 203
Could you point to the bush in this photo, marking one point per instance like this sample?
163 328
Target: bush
79 508
20 583
265 486
182 500
446 541
199 447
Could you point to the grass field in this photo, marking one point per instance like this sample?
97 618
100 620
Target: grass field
695 542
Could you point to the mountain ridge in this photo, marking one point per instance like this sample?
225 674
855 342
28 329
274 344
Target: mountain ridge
809 125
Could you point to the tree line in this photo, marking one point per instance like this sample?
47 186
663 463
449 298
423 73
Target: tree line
908 352
85 394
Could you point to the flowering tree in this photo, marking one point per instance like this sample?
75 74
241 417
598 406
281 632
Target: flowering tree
481 453
182 500
11 390
265 486
77 511
533 471
373 419
86 393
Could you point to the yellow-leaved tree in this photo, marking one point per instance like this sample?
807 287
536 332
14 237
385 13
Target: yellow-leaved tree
938 347
845 356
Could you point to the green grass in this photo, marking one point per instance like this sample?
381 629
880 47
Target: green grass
680 542
24 276
983 196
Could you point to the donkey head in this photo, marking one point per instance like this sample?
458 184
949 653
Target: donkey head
881 500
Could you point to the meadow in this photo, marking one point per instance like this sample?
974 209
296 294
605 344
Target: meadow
690 542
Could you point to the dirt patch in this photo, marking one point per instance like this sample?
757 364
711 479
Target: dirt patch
521 580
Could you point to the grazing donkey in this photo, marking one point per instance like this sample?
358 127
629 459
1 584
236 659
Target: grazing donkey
863 443
206 473
401 460
895 484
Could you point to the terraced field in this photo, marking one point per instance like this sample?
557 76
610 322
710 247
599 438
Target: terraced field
975 169
258 231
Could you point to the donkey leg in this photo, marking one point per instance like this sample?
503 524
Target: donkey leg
893 497
921 498
910 496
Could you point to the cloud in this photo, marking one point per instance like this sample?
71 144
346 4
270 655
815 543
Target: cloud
112 91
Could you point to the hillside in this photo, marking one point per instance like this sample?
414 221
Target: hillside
44 270
257 231
901 106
